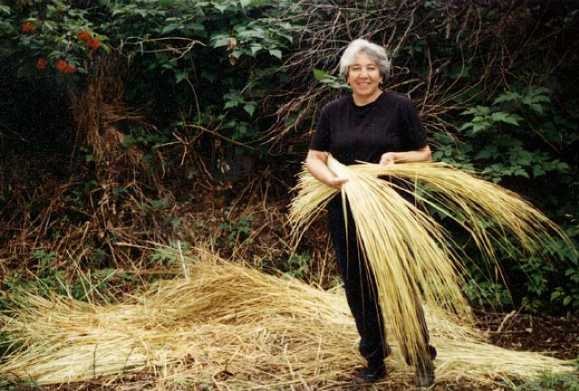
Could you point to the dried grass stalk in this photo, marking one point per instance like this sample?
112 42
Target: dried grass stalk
226 325
411 255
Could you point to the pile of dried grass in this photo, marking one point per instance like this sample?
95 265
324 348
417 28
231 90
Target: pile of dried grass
230 326
411 254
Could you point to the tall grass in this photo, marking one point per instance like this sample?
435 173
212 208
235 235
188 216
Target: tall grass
229 327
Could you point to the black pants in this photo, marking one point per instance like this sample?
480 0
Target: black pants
360 289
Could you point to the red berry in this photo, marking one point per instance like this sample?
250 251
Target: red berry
28 27
70 69
84 35
94 43
41 63
62 65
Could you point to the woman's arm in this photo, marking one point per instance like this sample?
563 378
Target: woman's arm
316 163
420 155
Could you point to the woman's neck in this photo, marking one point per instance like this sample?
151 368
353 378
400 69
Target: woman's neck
364 100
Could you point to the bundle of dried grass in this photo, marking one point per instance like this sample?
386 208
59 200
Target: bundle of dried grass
225 325
412 256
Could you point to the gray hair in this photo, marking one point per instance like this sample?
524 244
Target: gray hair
376 52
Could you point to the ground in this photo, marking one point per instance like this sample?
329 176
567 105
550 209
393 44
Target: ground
556 336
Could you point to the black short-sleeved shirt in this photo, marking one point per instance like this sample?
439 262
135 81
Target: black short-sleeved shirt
350 132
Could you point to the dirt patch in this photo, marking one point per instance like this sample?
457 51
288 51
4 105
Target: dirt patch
556 336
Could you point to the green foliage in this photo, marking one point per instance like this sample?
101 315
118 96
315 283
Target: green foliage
171 254
211 54
535 99
330 80
7 28
517 140
53 277
484 119
48 275
298 265
253 38
235 99
43 257
551 382
212 59
49 31
503 139
143 139
237 231
545 281
483 293
78 195
564 279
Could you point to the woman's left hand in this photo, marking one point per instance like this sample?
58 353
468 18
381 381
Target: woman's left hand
420 155
388 159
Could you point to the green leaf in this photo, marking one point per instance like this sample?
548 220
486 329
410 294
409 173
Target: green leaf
320 75
477 111
542 91
196 26
507 118
230 104
219 40
538 171
507 97
249 108
466 125
537 108
487 152
220 7
170 28
541 99
520 172
329 80
255 48
181 75
563 167
286 36
476 128
276 53
248 33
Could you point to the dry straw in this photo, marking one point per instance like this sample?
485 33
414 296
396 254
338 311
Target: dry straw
230 327
412 256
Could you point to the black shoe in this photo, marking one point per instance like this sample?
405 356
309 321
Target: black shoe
370 374
425 374
433 352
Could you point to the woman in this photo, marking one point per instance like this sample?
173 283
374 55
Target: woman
374 126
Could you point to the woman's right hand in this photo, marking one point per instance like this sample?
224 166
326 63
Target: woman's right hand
316 163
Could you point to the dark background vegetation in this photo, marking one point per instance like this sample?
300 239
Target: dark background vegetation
184 122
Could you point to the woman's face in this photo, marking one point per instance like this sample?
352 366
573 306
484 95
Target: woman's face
364 77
